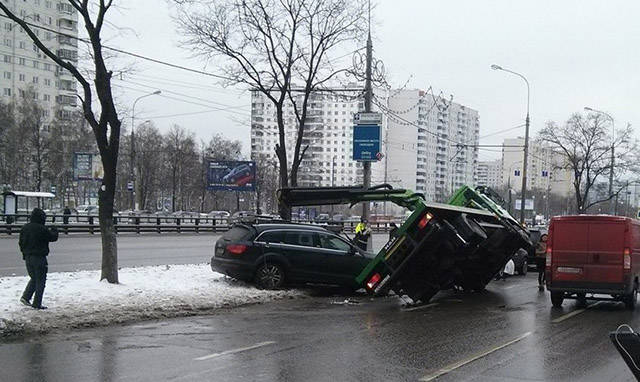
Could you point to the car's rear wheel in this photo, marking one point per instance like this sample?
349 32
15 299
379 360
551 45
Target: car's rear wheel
469 229
557 298
270 276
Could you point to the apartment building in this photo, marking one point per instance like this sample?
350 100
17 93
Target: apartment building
431 143
489 174
23 65
328 134
543 170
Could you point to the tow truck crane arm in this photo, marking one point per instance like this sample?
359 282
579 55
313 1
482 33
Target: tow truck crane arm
350 195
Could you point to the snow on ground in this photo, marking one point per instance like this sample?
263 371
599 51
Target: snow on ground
78 299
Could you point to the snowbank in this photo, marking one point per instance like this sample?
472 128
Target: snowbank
78 299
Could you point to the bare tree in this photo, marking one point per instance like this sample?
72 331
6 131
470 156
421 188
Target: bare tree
148 142
31 121
105 125
328 25
268 45
585 144
181 155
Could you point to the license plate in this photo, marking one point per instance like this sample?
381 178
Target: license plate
569 270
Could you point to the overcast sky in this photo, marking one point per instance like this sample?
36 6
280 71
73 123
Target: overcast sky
574 53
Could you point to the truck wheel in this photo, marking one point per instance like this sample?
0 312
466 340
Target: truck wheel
630 300
469 229
270 276
557 298
523 269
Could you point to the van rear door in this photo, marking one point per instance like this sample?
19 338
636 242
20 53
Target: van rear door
570 249
606 247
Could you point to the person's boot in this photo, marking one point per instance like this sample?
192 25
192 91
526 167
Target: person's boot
541 288
24 301
41 307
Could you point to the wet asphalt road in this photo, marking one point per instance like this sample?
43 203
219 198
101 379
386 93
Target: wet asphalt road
83 252
508 333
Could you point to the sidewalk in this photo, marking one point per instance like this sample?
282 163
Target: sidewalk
79 299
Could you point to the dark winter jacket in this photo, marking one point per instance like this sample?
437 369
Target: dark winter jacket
35 237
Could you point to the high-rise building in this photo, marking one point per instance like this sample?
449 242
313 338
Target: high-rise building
544 167
24 66
489 173
431 143
328 139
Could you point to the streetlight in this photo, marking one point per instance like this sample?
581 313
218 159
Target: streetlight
133 146
613 145
526 140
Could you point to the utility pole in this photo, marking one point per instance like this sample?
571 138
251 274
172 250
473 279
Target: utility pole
368 95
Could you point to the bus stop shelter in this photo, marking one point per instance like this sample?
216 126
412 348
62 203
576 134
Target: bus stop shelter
17 203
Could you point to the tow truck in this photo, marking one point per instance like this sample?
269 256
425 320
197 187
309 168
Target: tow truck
439 246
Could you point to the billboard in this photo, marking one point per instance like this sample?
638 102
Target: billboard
231 175
528 204
366 142
87 166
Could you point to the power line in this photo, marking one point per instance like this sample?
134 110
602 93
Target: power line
175 66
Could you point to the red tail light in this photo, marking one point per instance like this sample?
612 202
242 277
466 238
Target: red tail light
549 254
425 220
236 249
626 256
373 281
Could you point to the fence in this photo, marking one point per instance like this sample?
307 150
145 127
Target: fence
11 224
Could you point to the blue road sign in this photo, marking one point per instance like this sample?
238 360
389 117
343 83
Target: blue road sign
366 142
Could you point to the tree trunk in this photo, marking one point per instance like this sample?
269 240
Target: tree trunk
105 216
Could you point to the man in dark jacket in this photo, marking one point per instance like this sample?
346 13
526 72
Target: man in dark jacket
34 245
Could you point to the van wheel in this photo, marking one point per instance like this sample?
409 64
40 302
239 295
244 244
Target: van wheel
270 276
630 300
557 298
523 270
582 300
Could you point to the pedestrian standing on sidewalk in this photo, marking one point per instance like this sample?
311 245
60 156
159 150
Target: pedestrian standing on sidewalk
34 245
541 258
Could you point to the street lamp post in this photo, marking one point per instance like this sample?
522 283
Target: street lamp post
333 176
526 140
133 147
612 209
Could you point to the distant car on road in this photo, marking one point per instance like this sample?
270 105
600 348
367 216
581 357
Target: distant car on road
86 210
274 255
322 218
242 216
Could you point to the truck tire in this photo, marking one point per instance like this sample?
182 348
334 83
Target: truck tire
630 300
469 229
557 298
523 269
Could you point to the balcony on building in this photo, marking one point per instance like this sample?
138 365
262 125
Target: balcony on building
67 100
68 54
67 23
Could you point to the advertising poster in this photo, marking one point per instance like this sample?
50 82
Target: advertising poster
87 166
231 175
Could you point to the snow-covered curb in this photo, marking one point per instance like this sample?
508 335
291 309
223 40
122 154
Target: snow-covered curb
78 299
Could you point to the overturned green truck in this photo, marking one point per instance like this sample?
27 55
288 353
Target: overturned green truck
440 246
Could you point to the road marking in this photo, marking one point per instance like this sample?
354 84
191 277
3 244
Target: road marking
574 313
459 364
420 307
214 355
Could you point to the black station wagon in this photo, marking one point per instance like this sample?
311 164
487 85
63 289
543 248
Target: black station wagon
272 255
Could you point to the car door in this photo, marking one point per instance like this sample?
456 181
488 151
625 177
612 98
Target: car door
343 261
303 254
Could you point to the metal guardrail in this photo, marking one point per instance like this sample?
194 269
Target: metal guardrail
11 224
